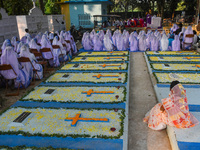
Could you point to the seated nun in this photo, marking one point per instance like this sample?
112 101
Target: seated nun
23 39
164 43
5 44
28 40
114 38
33 45
101 35
188 39
39 37
92 33
47 55
14 42
19 47
87 43
108 45
121 42
174 28
154 44
176 44
181 34
148 39
59 53
133 42
98 44
72 44
22 77
25 52
142 43
108 32
126 39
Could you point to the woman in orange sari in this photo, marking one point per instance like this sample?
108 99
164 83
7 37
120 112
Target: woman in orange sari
172 111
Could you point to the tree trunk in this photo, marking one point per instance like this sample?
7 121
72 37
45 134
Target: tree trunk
162 9
1 2
153 6
197 12
41 5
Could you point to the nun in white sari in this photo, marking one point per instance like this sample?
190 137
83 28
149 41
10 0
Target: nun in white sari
187 39
59 53
148 39
108 45
47 55
98 44
26 53
5 44
126 39
14 42
176 44
34 45
142 43
154 43
120 39
114 38
164 43
133 43
108 32
87 43
10 57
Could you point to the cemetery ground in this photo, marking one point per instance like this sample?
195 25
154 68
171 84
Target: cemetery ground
141 99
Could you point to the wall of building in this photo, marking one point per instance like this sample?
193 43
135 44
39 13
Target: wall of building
8 26
66 12
53 24
77 12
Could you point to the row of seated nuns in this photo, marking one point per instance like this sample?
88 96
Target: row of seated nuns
13 49
143 41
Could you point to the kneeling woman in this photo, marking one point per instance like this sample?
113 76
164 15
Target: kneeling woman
173 111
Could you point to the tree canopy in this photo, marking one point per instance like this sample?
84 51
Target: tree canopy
22 7
159 7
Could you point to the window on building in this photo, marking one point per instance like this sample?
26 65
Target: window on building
84 19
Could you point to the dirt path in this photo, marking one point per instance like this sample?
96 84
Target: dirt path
141 99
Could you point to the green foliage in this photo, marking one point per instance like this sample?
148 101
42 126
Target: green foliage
181 6
22 7
16 7
52 8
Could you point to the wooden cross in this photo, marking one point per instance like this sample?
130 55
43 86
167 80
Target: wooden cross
78 118
108 58
192 58
116 52
90 92
105 65
100 75
197 66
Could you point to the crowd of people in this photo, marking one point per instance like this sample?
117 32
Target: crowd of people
176 40
60 47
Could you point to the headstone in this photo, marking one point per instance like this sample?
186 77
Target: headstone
76 65
167 65
65 76
49 91
84 58
21 120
